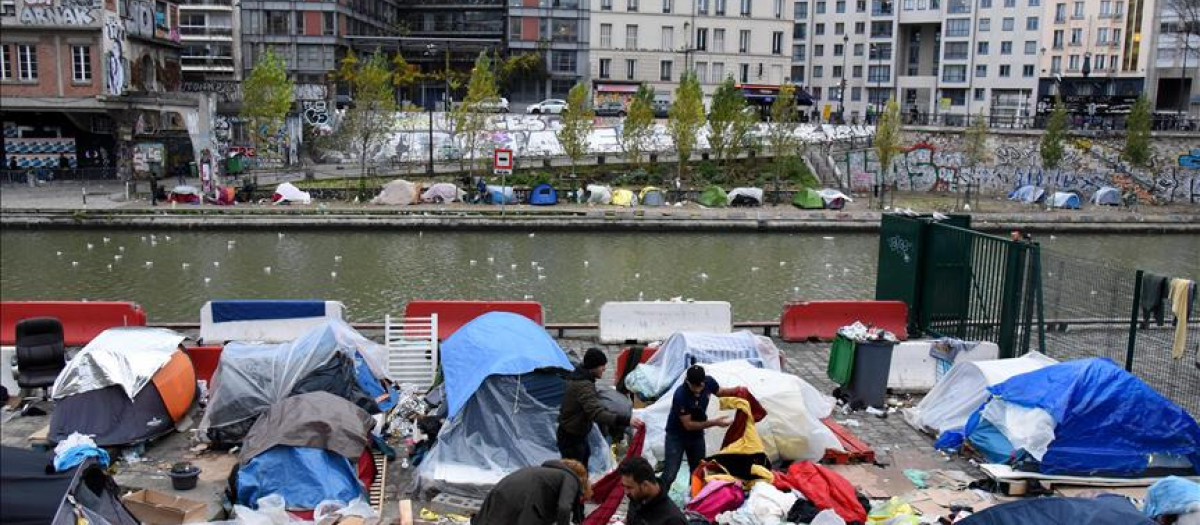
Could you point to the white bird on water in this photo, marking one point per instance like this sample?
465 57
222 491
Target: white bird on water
74 263
533 264
58 254
207 280
149 264
703 276
116 257
167 237
531 236
473 262
499 276
105 239
528 297
491 260
110 267
280 235
216 264
754 268
337 258
266 269
89 246
587 301
641 296
782 263
637 275
185 265
121 249
513 266
541 277
585 264
333 275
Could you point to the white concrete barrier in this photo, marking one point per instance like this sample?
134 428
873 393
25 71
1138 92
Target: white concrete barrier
6 372
263 321
914 370
644 321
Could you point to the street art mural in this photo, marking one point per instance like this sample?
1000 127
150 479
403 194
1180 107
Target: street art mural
114 55
76 13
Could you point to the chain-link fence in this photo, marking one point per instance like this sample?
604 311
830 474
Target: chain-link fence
1090 309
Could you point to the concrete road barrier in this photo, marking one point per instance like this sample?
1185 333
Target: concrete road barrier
643 321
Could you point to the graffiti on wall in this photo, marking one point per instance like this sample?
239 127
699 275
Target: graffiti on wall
114 55
316 113
65 13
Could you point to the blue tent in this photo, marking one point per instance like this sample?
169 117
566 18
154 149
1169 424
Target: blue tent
1108 509
304 476
1105 421
1066 200
501 194
1027 194
543 195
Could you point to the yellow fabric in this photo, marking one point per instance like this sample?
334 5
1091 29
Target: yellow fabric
763 473
647 189
1177 297
622 198
749 443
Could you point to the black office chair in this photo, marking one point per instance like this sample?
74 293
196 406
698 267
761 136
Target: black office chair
41 353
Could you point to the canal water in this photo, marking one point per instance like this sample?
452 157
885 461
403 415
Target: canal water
374 273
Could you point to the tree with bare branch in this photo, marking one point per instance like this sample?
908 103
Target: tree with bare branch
1188 13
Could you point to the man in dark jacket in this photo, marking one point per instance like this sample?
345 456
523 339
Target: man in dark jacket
551 494
648 501
582 407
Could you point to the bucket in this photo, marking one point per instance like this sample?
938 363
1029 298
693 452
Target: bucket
184 476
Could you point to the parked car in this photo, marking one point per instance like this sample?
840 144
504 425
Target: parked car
554 106
661 108
495 105
612 108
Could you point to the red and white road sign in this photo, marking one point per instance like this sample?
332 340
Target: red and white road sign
502 161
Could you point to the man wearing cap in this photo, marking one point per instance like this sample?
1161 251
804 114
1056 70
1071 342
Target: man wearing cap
688 419
581 408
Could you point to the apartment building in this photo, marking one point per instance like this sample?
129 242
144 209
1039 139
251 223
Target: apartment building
1096 54
443 35
1174 79
211 36
559 31
655 41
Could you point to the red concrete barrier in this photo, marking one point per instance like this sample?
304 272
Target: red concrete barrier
623 358
821 319
82 321
453 314
205 360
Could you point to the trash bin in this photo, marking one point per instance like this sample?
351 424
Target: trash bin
841 360
869 378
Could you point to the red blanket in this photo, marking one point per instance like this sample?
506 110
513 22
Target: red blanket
608 491
825 488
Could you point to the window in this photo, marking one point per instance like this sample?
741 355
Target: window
630 66
1056 64
799 51
820 8
744 41
702 38
329 23
81 63
668 38
631 36
954 73
818 71
816 93
1060 13
563 61
1031 23
299 21
819 29
668 5
840 6
958 97
1073 63
958 27
1031 47
1005 48
838 72
606 36
958 7
8 8
1099 61
1035 3
980 71
835 93
702 7
718 41
985 4
778 8
5 65
980 94
879 73
702 72
718 71
819 50
27 67
1005 70
881 51
720 7
800 10
839 28
858 70
860 6
1078 10
800 31
856 94
1010 3
605 67
631 5
277 23
745 72
1058 39
858 50
985 25
746 7
883 29
1102 36
1116 37
839 50
777 43
606 5
981 48
664 71
1112 63
1076 37
956 50
1008 23
860 28
1027 71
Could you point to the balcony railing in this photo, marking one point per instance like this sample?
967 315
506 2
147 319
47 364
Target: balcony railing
206 62
221 3
205 31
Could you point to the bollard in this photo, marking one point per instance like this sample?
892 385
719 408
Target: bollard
84 195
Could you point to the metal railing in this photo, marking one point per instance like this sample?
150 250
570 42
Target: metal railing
23 176
1116 122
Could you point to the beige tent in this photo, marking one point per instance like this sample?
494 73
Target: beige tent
398 192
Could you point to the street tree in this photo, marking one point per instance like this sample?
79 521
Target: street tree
781 132
577 123
684 121
975 147
266 100
638 127
467 118
1137 137
404 75
887 143
730 123
369 122
1052 147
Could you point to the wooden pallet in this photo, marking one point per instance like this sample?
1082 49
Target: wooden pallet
856 450
378 493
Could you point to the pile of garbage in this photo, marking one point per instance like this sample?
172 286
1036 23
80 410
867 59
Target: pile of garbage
861 333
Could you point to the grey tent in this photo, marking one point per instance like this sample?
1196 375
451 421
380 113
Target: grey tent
315 420
651 196
1107 195
35 494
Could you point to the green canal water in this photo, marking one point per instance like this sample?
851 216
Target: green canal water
374 273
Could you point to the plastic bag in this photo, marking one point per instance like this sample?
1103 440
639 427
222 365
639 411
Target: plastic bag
828 517
769 504
883 512
272 510
330 511
1172 495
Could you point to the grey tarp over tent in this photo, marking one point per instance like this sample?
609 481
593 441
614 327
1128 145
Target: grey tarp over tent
315 420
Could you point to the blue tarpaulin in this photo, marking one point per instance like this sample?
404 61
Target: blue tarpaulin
303 476
1172 496
495 343
1107 509
372 386
258 310
1107 421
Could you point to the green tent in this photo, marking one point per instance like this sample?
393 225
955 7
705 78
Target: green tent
808 199
713 197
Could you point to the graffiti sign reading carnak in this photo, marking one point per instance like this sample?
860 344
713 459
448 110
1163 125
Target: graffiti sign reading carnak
64 13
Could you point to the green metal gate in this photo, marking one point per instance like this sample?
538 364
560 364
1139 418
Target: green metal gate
961 283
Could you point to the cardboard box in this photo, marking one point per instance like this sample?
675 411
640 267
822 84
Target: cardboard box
155 508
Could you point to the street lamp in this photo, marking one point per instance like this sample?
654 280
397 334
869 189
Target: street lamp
430 51
842 90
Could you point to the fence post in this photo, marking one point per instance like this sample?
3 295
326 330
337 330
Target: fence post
1011 296
1133 321
1041 304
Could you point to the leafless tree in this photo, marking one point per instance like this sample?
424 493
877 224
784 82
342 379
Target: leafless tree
1188 13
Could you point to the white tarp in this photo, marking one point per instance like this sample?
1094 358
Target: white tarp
1027 194
753 193
964 389
288 192
126 356
1066 199
442 192
598 194
397 192
185 190
684 349
792 429
829 195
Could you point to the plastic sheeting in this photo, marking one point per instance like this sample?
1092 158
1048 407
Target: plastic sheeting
127 356
1173 495
509 423
1107 509
792 429
313 420
1107 195
1027 194
397 192
252 377
597 194
1066 200
495 343
830 195
1107 421
304 477
502 194
288 192
442 192
684 349
964 389
755 194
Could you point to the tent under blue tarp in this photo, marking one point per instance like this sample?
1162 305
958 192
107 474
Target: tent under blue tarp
495 343
1106 421
303 476
1108 509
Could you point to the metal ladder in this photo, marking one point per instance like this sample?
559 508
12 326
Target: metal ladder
412 344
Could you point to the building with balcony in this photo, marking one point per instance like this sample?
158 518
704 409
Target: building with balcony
558 31
95 86
655 41
211 36
1174 78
